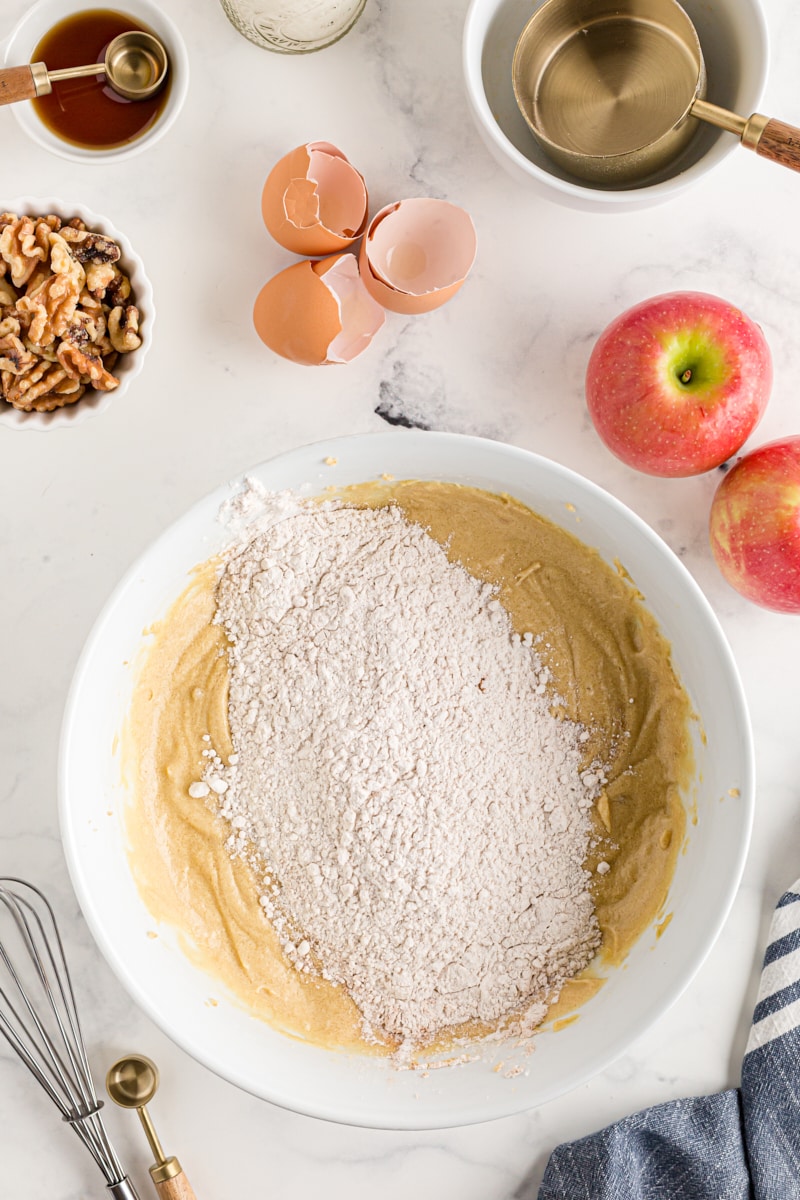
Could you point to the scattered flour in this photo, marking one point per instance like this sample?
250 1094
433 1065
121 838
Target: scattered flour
417 815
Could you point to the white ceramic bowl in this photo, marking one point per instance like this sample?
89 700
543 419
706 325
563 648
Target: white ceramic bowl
127 366
30 29
733 37
351 1088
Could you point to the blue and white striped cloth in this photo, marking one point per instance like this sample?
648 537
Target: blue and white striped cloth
743 1144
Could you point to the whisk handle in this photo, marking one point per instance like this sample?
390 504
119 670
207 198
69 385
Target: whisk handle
176 1188
124 1190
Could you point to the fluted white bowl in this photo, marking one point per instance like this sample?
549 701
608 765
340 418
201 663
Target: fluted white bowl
128 366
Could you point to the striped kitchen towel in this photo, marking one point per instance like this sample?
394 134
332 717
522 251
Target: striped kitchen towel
743 1144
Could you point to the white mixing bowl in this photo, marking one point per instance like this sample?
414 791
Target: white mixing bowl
348 1087
733 36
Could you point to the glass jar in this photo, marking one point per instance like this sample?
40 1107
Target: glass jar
293 26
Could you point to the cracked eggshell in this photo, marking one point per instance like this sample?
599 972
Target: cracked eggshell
417 253
317 313
314 200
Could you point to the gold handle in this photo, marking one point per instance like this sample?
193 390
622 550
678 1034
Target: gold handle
721 117
78 72
167 1173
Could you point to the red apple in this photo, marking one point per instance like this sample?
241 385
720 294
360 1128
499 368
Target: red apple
755 525
676 384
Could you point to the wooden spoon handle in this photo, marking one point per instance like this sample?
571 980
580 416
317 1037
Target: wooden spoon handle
780 143
176 1188
17 83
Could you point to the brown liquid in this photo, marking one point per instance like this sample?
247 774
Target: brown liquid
88 112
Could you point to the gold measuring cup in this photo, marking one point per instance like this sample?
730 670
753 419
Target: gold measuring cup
135 65
132 1082
613 89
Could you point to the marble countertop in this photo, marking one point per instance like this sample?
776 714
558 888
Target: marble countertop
506 360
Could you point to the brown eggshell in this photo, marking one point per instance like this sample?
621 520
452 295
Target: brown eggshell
417 253
317 313
314 200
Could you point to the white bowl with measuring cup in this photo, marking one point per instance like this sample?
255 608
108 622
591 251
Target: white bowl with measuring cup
18 49
734 40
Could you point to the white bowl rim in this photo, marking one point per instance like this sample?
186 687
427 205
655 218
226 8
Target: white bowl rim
364 1116
75 414
608 200
175 102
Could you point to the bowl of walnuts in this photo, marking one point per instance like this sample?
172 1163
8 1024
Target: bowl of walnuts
76 313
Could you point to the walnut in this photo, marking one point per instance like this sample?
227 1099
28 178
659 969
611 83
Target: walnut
88 368
51 305
64 262
8 295
41 272
119 289
46 311
14 357
89 303
77 334
70 387
54 396
123 328
23 244
87 327
91 247
30 391
19 384
9 324
59 395
98 277
48 353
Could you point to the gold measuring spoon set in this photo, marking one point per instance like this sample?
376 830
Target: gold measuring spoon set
135 66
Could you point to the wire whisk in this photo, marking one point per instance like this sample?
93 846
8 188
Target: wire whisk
39 1019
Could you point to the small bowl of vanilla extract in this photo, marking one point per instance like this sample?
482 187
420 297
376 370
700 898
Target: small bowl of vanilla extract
85 119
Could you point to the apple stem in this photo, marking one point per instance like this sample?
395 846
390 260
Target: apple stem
686 376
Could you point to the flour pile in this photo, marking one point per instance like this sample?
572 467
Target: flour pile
418 816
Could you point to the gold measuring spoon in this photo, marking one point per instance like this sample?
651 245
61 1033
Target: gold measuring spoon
132 1082
135 65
